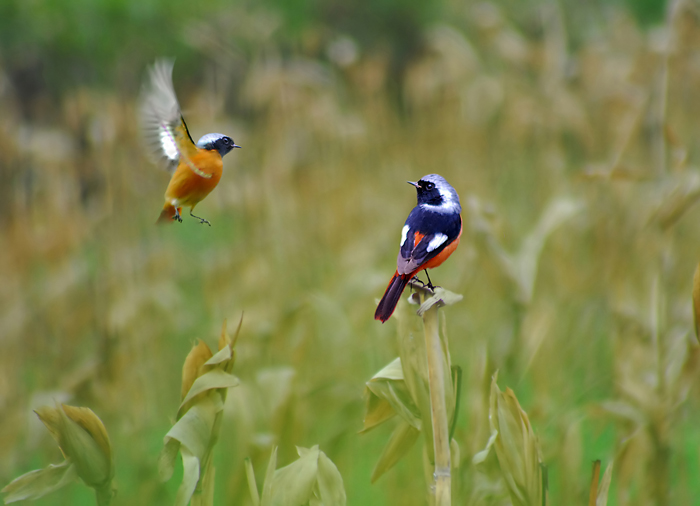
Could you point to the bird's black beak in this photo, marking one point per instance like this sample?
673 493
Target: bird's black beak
236 146
414 184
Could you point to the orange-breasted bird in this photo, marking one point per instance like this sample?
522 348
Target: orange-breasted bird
196 168
430 235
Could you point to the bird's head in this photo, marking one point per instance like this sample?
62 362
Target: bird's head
217 142
433 190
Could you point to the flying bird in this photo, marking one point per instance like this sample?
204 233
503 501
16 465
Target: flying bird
429 237
196 168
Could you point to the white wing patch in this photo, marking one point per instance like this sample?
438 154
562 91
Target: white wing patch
167 142
404 234
436 242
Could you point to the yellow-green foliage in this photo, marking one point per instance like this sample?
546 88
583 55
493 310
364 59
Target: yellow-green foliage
576 161
85 445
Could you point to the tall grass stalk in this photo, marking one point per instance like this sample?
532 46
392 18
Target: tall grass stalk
593 492
441 487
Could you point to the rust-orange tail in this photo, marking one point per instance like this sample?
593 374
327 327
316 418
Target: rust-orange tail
391 297
167 214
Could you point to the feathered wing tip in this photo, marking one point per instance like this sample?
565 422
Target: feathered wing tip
391 297
160 112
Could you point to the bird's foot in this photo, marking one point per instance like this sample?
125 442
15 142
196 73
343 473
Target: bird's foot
177 217
430 283
201 220
416 279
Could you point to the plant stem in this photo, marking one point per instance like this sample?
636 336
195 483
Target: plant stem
442 480
593 492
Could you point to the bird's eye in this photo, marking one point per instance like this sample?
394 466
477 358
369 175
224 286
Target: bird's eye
227 141
429 186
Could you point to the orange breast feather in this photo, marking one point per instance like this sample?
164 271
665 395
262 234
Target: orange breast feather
188 187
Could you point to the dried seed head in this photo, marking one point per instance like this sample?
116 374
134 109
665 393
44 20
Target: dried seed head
194 366
83 440
696 300
516 447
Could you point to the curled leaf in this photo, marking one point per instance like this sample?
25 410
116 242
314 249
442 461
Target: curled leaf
194 432
166 459
190 477
222 355
212 380
441 297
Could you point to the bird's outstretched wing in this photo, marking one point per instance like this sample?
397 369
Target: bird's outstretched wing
163 126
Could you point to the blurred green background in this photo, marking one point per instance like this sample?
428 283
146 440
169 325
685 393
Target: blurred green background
568 129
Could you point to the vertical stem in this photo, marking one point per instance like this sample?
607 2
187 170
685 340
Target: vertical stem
204 492
660 420
659 141
104 495
438 409
593 492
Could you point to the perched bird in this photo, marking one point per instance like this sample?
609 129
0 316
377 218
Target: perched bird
196 168
430 235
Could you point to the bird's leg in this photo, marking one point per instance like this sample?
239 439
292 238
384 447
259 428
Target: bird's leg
201 220
177 215
430 283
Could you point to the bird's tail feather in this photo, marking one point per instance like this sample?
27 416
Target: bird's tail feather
167 215
391 297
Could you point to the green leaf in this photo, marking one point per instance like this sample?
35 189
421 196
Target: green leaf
388 385
252 485
330 483
38 483
166 459
293 484
397 395
402 439
392 371
193 430
222 355
269 478
190 477
377 411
